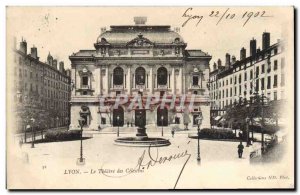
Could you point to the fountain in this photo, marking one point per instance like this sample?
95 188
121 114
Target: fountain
141 139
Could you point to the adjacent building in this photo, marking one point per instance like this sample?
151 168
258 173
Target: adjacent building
41 90
138 60
261 71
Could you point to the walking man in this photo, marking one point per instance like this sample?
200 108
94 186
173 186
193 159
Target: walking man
240 149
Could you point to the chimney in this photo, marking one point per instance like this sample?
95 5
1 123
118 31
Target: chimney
33 52
265 40
258 50
233 59
55 64
243 53
215 66
219 63
252 47
23 46
50 59
227 62
61 67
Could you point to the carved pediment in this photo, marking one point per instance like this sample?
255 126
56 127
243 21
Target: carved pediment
140 41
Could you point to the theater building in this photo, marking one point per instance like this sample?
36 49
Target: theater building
138 60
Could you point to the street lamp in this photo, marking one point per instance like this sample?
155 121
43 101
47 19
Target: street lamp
162 126
199 122
81 160
247 127
118 118
32 133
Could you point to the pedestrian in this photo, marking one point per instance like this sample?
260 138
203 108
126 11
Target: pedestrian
241 135
173 132
240 149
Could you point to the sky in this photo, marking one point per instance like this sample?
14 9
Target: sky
64 30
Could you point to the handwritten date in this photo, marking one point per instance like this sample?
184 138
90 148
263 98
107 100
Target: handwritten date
227 15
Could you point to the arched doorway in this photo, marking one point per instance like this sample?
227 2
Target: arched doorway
118 112
162 116
140 118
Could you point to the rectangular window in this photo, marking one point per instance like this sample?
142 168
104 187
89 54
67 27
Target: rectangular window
195 80
85 80
275 81
230 80
230 92
257 85
262 84
251 74
257 71
245 76
269 82
240 89
275 65
275 51
263 68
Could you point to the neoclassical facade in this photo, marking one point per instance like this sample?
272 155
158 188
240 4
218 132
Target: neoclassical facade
138 60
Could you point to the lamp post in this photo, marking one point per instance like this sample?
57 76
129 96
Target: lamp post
118 133
199 122
247 127
81 160
32 133
162 126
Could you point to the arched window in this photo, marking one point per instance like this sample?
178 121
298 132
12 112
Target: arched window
118 76
140 75
162 76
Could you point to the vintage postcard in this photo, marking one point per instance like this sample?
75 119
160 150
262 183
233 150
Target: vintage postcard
150 98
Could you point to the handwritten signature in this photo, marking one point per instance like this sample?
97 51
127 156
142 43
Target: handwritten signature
154 160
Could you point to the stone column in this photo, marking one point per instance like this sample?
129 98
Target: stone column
107 79
129 79
173 81
151 80
100 81
180 79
